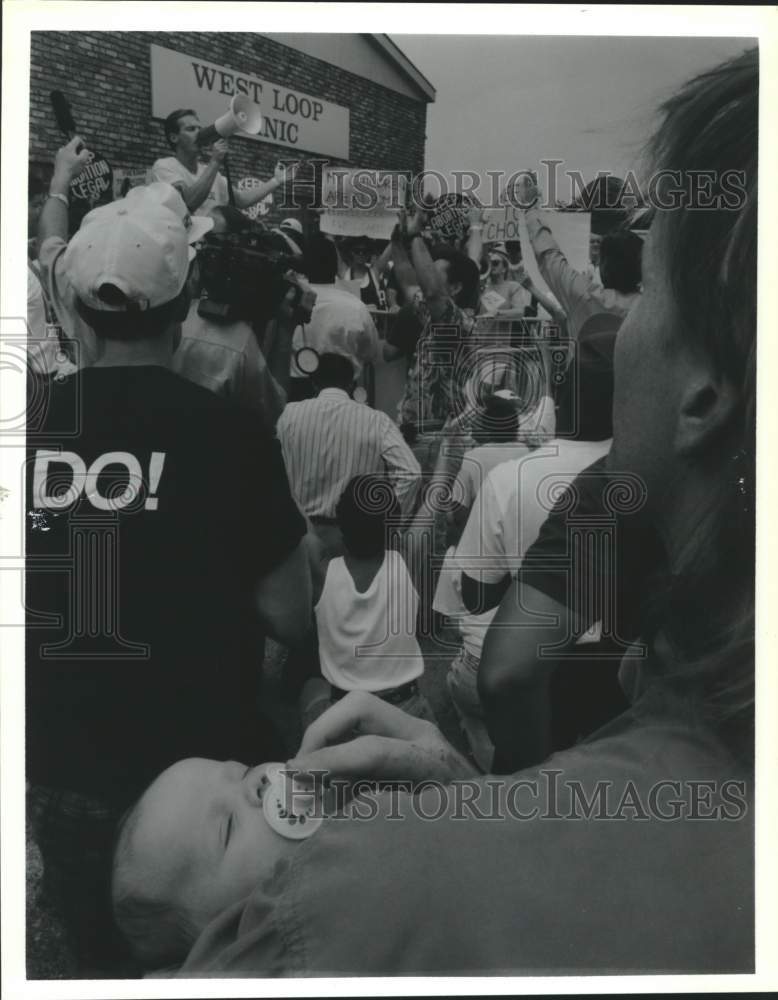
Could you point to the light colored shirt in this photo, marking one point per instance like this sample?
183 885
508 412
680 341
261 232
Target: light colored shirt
170 170
515 500
367 641
328 440
478 463
44 354
340 324
226 358
62 298
515 875
580 295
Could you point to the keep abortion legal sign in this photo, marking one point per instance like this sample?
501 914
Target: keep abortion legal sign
289 118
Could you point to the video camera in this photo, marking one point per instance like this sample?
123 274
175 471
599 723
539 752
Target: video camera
244 275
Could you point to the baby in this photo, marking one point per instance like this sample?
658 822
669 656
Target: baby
202 836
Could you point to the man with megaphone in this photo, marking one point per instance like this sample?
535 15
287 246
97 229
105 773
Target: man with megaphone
202 186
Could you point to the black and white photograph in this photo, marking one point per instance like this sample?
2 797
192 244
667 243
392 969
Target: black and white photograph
379 501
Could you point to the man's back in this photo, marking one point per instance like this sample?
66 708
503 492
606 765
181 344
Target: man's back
515 500
328 440
183 507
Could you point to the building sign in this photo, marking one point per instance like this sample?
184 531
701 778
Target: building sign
289 118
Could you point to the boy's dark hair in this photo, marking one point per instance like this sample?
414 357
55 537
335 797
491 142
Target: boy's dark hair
171 122
365 511
620 256
335 371
156 933
461 271
497 421
321 260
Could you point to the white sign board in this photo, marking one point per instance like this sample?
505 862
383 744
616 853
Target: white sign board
569 229
289 118
360 202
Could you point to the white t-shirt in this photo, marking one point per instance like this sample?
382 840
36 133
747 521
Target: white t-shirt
367 641
45 356
170 170
515 500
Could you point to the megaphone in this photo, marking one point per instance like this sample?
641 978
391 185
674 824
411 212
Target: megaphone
243 115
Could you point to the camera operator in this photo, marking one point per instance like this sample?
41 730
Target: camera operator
237 337
201 185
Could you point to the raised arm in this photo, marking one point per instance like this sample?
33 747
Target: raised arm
403 269
430 280
475 242
281 174
68 164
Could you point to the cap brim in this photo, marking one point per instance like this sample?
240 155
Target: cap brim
201 224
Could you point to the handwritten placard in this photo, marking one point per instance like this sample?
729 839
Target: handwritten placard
359 202
569 229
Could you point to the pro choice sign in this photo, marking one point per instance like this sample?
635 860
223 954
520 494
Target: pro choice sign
289 118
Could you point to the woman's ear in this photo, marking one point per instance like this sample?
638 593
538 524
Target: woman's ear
707 406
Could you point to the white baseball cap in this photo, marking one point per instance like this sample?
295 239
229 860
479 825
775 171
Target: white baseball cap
292 224
138 244
196 226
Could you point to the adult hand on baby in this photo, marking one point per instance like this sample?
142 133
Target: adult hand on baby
390 745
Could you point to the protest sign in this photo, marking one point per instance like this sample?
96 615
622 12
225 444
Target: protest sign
360 202
569 229
260 207
123 180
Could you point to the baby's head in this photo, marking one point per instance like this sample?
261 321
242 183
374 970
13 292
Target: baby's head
196 842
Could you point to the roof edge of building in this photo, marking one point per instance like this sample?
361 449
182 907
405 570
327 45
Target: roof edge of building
398 57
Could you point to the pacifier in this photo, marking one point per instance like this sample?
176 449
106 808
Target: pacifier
292 811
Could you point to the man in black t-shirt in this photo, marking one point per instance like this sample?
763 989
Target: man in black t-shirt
162 540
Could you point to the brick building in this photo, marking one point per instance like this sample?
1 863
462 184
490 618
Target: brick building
349 99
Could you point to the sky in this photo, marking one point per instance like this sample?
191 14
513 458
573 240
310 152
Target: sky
505 102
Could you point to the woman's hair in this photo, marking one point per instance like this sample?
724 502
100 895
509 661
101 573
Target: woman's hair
461 271
366 511
707 613
156 932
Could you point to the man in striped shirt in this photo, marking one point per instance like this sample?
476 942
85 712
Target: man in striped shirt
328 440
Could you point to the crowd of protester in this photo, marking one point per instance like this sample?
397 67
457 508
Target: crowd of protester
206 471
